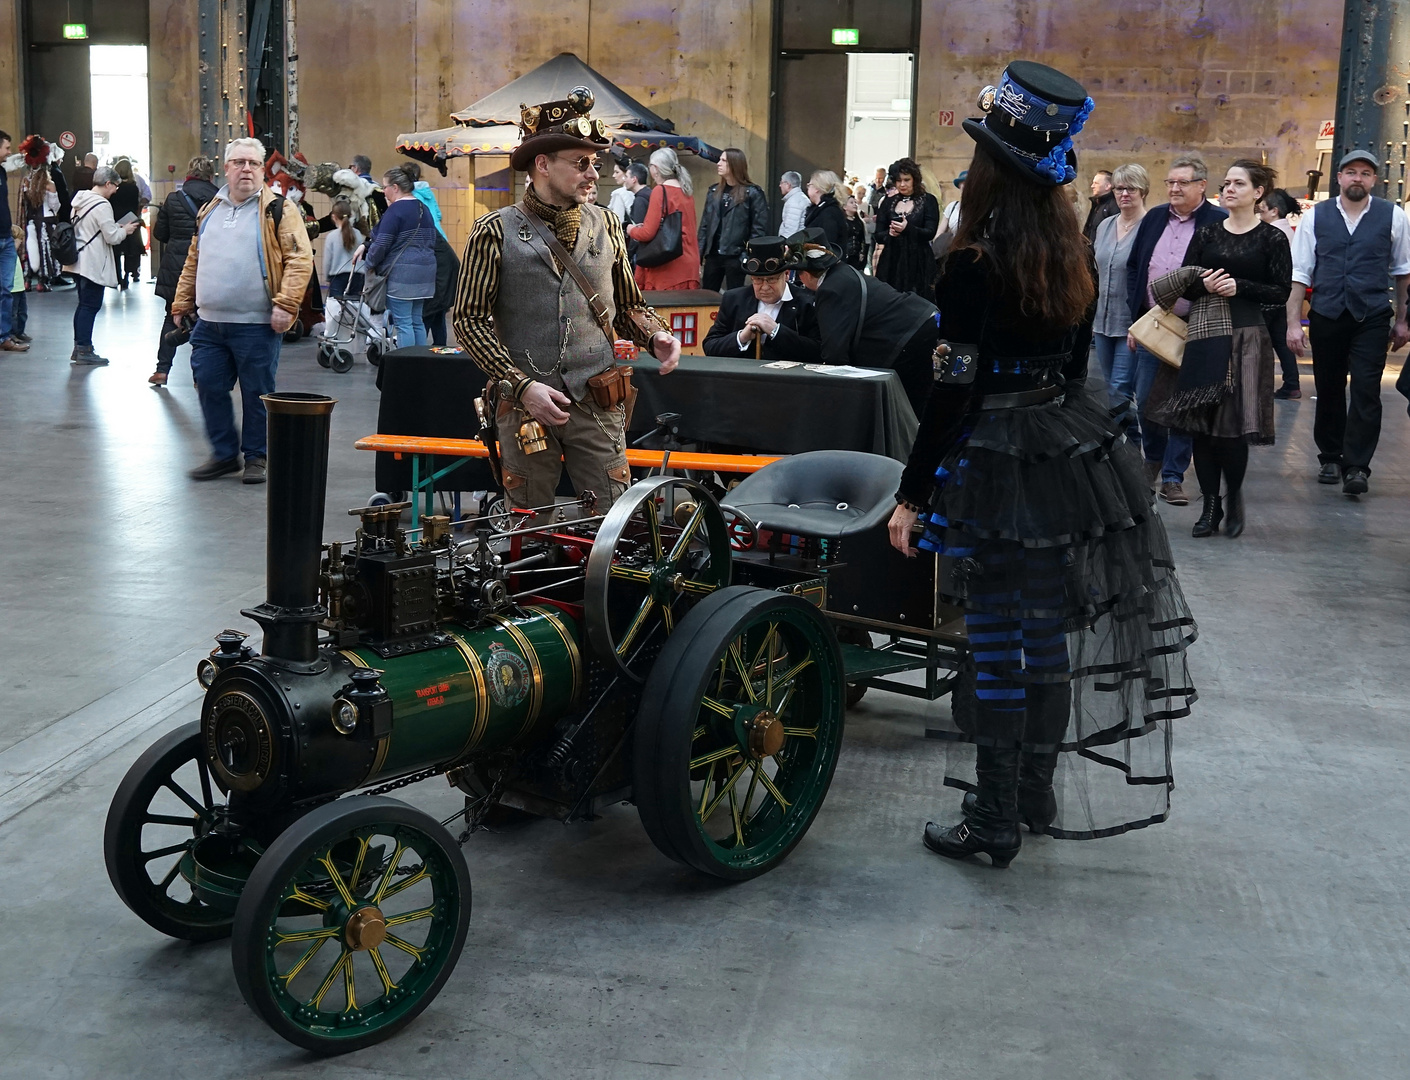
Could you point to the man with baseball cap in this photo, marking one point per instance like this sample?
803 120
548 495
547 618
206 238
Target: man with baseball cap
1347 249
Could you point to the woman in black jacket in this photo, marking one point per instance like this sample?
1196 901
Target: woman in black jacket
1037 506
736 212
826 212
175 225
906 223
447 274
128 200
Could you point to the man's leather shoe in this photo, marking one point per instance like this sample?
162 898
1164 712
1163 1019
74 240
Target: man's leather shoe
23 339
254 471
11 345
1286 393
213 468
1330 473
1174 494
1354 482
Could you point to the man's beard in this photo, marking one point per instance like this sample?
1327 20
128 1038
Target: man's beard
1356 192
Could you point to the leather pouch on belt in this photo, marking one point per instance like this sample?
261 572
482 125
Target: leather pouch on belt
612 387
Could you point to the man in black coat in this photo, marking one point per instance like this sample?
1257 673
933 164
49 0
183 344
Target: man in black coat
867 323
1103 203
767 318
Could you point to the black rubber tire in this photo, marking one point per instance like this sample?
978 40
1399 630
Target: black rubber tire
854 635
343 360
284 858
122 840
669 706
374 354
325 356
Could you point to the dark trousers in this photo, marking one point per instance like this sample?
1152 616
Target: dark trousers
131 263
90 300
721 268
435 327
19 313
166 352
1277 321
1340 347
221 355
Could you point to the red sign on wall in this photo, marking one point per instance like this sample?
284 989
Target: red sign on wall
947 118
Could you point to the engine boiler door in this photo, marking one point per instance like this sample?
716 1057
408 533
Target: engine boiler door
239 741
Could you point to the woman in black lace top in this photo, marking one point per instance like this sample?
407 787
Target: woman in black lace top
1037 507
1249 264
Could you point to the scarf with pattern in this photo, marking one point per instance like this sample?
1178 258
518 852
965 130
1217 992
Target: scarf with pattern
564 222
1206 372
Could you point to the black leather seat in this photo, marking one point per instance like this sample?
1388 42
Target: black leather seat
826 493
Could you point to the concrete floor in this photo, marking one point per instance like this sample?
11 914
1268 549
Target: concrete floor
1262 932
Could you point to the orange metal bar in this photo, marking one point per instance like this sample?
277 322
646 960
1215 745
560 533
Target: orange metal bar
641 459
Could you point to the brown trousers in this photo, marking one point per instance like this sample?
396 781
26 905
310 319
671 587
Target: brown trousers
592 445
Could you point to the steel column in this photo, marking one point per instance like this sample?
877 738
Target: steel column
1373 88
222 56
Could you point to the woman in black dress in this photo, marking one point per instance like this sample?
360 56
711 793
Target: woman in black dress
906 223
1223 393
128 200
1038 508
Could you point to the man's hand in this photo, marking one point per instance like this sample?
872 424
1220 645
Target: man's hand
666 348
280 320
1297 339
1399 335
899 530
542 403
762 324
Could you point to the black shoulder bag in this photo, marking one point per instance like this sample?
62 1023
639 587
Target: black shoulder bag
667 244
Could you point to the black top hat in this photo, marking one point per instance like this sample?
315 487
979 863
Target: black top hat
817 254
767 255
1029 121
558 125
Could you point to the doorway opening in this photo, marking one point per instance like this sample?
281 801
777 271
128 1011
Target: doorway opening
118 87
878 111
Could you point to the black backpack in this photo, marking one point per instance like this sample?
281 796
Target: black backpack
63 240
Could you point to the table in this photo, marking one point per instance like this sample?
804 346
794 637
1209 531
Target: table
744 404
430 393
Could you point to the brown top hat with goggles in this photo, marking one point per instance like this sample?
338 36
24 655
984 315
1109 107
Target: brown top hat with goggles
558 125
765 256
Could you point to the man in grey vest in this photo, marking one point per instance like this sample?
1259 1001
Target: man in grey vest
1348 249
529 324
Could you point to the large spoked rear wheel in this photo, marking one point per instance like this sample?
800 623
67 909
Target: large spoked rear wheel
351 923
739 732
165 803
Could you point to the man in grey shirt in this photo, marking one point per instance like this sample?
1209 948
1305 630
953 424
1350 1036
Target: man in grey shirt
245 275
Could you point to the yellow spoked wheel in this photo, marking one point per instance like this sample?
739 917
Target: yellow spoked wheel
351 923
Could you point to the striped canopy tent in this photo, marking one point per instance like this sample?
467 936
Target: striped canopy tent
490 126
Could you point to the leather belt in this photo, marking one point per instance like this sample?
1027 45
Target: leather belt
1021 398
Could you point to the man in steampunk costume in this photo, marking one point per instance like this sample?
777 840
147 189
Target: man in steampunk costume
545 290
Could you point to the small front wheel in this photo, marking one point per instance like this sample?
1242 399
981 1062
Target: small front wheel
343 360
351 923
374 353
325 355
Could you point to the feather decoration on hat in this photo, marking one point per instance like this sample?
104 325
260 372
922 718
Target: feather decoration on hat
35 151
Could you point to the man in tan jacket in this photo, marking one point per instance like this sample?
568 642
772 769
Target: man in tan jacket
244 279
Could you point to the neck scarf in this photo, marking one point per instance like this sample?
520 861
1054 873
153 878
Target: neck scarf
564 222
1207 369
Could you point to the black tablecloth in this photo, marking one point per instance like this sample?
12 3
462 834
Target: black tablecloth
430 393
742 403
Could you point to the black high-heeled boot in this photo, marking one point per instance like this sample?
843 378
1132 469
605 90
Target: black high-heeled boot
1037 805
1208 523
992 827
1234 504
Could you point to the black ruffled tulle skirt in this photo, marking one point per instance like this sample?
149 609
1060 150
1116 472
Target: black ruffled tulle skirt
1049 541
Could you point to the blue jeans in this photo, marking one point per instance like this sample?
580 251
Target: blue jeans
221 355
406 317
1171 448
1118 368
7 278
90 300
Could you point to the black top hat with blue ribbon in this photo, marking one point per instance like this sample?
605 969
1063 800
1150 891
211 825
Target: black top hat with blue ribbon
1029 121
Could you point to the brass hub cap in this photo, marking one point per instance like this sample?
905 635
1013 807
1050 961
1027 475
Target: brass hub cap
765 731
366 929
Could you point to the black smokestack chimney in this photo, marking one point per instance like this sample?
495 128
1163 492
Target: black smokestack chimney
298 480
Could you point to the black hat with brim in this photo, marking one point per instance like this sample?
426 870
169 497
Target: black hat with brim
817 254
765 256
1029 121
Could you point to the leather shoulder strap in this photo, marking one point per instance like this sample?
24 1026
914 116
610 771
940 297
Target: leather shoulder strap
574 271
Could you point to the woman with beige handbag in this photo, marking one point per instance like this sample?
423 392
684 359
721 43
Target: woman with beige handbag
1222 391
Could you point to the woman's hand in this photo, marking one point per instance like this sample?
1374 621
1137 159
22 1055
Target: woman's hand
360 252
1219 283
900 531
898 225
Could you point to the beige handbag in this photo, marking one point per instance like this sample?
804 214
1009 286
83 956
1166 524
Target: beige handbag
1163 333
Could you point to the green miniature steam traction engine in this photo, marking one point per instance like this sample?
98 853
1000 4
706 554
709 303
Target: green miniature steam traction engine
555 665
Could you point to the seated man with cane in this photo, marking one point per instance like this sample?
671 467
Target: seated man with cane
767 319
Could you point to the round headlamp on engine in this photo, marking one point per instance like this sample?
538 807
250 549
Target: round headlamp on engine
344 716
206 671
239 740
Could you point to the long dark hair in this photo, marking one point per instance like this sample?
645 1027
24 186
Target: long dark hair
1030 237
738 168
910 168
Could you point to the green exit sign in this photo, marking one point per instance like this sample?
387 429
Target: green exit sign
846 37
75 31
